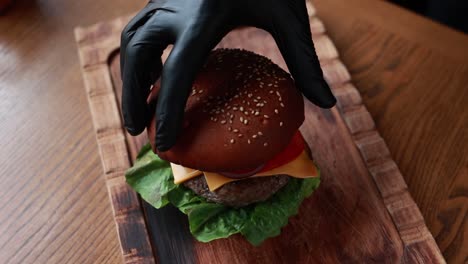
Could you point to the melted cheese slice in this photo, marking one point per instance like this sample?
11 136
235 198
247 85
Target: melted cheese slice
301 167
182 174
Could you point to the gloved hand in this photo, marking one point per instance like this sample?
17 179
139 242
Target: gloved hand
195 27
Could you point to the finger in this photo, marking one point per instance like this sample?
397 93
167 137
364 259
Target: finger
293 37
142 68
187 56
130 29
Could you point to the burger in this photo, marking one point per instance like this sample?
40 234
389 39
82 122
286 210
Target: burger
240 164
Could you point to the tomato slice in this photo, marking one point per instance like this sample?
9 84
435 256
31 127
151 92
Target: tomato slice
292 151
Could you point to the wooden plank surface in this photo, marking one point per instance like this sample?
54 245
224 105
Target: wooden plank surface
55 206
413 76
358 216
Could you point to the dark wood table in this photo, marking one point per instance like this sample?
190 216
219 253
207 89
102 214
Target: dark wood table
412 73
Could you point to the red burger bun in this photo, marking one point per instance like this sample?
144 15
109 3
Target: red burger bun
243 110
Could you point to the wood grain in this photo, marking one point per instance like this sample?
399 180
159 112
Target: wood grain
55 205
96 44
356 164
413 77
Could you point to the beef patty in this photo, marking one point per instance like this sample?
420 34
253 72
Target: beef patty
239 193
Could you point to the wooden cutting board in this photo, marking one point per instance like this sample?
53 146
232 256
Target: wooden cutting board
362 212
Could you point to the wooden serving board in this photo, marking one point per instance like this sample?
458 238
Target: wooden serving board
362 212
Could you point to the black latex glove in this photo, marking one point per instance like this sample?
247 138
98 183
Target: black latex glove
195 27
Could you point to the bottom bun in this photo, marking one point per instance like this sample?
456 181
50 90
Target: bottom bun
239 193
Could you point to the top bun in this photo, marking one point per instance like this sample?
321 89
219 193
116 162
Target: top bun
242 111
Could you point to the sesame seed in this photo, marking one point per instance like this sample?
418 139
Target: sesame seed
279 99
246 121
246 113
230 121
278 94
232 141
248 141
223 122
269 85
271 91
235 130
276 111
217 112
249 95
266 116
242 109
281 123
255 100
258 79
248 103
265 144
201 91
260 133
236 96
282 105
257 113
241 119
275 85
229 128
198 98
240 135
234 108
254 136
258 97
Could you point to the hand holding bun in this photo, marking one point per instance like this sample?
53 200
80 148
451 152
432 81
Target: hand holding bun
242 110
195 27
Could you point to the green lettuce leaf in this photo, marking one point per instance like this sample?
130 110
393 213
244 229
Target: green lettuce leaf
152 178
